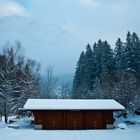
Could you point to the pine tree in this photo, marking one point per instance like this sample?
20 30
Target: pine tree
136 62
89 71
107 64
119 58
129 67
78 82
97 50
136 54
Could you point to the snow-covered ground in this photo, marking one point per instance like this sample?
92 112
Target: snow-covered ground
131 132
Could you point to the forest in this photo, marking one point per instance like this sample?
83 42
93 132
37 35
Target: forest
101 73
105 73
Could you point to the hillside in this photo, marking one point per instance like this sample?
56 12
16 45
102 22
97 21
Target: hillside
60 47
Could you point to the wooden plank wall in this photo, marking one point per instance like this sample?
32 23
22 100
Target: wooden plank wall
60 119
74 120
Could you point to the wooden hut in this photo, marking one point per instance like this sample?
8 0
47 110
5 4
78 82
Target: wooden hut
72 113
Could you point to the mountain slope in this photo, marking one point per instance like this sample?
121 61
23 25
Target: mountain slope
48 44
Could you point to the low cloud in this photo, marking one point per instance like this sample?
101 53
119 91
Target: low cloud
89 2
9 8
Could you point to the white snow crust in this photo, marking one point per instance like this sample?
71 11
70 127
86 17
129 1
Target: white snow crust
72 104
29 133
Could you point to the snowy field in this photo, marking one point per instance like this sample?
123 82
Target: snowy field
131 132
31 134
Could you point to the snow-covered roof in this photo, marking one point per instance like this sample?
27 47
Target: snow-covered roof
72 104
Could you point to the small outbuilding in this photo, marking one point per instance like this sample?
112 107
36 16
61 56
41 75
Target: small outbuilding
72 113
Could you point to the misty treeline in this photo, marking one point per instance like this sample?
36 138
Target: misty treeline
19 78
106 73
52 88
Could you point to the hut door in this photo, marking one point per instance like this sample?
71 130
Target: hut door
54 120
57 120
93 120
74 120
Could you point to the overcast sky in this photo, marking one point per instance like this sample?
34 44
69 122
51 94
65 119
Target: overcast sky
105 19
90 19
